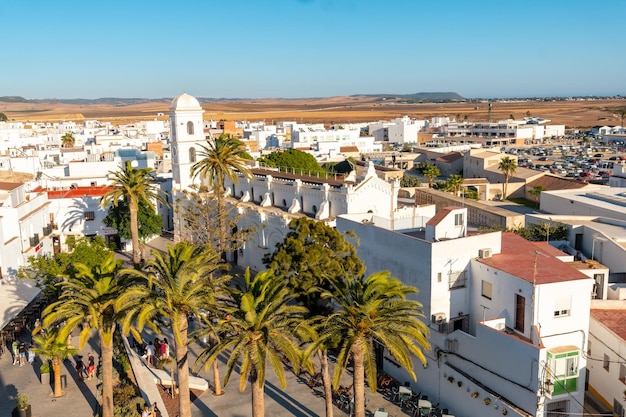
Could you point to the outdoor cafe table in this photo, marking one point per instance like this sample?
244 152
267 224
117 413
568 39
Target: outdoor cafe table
404 390
424 405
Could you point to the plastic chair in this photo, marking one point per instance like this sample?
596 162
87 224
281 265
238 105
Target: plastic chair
395 394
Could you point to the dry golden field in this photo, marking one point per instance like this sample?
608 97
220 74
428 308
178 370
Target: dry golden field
573 114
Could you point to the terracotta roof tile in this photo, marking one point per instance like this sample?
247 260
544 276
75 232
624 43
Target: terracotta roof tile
613 319
531 262
439 216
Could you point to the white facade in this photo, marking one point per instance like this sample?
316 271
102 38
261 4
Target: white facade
186 133
483 343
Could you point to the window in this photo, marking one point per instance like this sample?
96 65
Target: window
190 128
192 154
90 215
486 289
458 219
557 408
562 307
618 408
622 373
563 370
605 363
520 309
438 276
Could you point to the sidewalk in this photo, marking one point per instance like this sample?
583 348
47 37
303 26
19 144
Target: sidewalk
80 396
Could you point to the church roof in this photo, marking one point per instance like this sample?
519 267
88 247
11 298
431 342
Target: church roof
185 102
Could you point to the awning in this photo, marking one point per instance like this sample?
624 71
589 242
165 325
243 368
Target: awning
15 295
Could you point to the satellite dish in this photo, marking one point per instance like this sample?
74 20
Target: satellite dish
134 164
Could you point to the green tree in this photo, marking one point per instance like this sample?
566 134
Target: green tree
222 158
294 161
409 181
507 166
90 299
51 347
132 185
48 272
431 172
542 231
177 284
454 183
149 223
369 309
310 259
3 117
536 191
67 140
263 323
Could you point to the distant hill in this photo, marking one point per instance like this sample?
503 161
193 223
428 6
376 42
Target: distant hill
420 97
13 99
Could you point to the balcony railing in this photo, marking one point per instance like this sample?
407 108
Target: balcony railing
47 230
34 241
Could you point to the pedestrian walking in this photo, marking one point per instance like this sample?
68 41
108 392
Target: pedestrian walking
16 352
80 368
150 354
91 366
155 411
22 353
31 352
146 411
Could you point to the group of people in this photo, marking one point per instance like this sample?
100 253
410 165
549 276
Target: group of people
151 412
159 350
22 353
86 371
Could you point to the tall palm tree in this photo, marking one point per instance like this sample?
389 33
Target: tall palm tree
50 346
133 185
431 172
507 166
67 140
89 299
179 283
374 308
222 158
262 324
454 183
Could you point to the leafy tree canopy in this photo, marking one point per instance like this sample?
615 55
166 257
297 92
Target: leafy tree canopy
3 117
410 181
149 221
47 272
313 256
543 231
293 159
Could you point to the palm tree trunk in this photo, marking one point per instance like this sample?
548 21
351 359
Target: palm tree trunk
182 367
506 184
134 232
358 379
56 368
328 386
216 379
221 217
258 400
107 376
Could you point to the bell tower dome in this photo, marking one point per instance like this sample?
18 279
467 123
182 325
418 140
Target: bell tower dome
186 133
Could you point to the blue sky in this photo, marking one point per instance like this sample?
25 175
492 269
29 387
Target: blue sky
311 48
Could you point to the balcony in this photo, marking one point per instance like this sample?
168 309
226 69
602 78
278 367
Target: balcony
47 230
34 240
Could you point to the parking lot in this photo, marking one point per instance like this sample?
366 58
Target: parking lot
586 162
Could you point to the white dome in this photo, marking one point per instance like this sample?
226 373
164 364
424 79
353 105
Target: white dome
185 102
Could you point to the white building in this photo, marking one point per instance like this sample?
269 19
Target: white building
400 130
508 319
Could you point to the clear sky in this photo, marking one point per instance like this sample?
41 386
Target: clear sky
311 48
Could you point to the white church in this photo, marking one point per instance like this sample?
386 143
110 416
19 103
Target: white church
269 200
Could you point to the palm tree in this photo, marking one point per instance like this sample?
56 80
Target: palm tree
50 346
431 172
89 299
507 166
178 284
374 308
536 191
454 183
221 158
262 324
67 140
132 185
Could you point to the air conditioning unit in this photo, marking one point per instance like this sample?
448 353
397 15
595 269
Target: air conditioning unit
484 253
438 318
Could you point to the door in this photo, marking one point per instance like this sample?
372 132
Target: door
520 308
